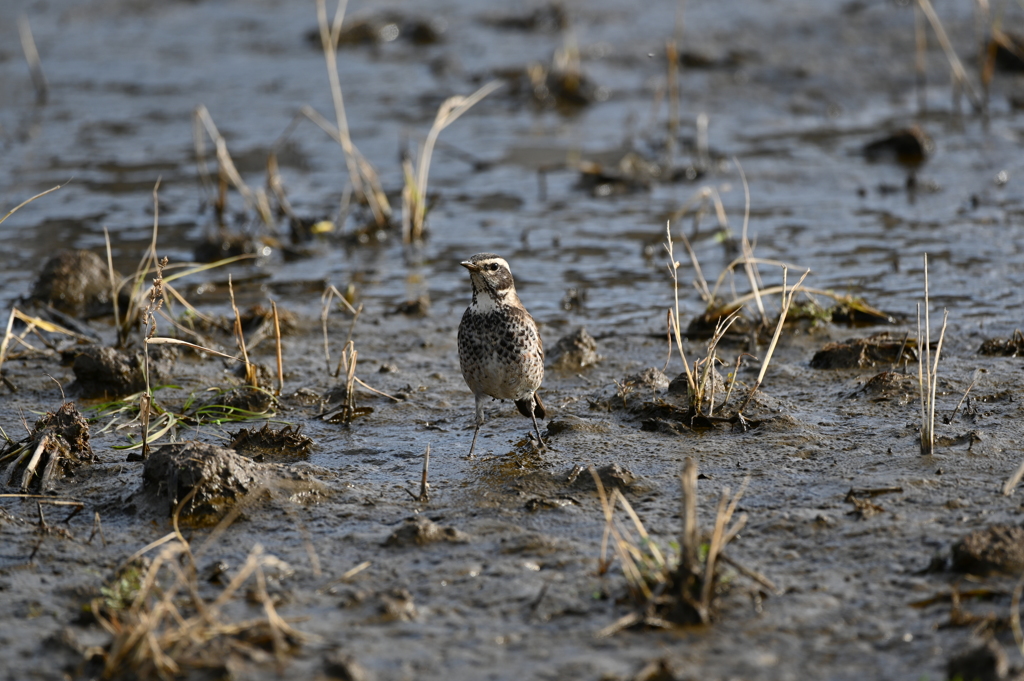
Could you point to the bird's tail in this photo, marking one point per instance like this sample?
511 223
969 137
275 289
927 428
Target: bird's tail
524 406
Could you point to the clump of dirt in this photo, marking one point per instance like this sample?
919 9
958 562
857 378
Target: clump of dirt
909 147
857 353
890 385
612 476
280 444
987 662
212 479
338 665
260 319
1000 548
714 389
632 392
225 244
420 531
1004 347
571 423
58 444
559 85
108 372
574 352
550 17
1009 50
76 283
241 400
416 307
384 28
633 173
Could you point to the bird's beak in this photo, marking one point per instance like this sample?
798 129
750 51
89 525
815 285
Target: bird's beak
471 266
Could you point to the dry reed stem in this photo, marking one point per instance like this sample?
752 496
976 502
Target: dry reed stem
250 370
33 323
963 398
689 540
700 282
1013 480
698 393
30 200
920 60
786 302
110 276
226 171
361 173
277 339
326 299
673 268
155 635
672 59
449 111
35 65
748 253
699 199
653 582
957 68
158 340
424 495
927 371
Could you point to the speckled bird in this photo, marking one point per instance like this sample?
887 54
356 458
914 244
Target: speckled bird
500 349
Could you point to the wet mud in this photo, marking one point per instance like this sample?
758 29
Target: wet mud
296 516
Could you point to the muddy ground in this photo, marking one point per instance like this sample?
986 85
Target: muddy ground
510 585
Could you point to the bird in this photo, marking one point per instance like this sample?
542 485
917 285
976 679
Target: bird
500 348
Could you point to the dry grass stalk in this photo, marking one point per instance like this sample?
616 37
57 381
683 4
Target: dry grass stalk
672 59
114 288
349 356
672 591
424 495
927 370
700 377
325 311
227 173
29 200
35 65
415 198
32 323
673 268
362 175
700 201
169 628
920 60
955 65
787 301
749 265
156 301
250 369
1013 480
277 340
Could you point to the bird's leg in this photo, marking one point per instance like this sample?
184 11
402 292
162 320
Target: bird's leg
533 415
479 422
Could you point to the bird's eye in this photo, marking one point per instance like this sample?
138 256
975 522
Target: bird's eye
493 267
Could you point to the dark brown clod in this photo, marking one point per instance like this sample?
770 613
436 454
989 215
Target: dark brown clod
213 479
59 443
108 372
574 352
999 548
76 283
420 531
267 443
1004 347
858 353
